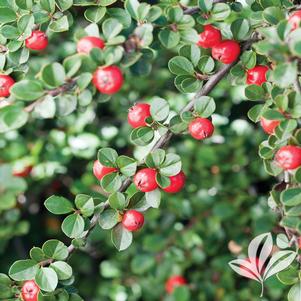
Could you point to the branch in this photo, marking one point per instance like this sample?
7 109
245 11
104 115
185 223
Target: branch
69 85
205 90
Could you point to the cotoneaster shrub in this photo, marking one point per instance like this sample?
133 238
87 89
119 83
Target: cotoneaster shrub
157 89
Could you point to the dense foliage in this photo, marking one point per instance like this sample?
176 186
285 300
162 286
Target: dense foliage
129 143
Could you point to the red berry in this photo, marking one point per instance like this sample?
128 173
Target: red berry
5 84
24 172
174 282
30 291
86 44
226 51
132 220
137 114
108 80
257 75
145 180
295 19
100 170
201 128
37 41
210 37
299 241
289 157
269 125
177 182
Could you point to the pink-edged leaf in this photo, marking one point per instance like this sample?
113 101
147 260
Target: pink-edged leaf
266 241
245 268
279 262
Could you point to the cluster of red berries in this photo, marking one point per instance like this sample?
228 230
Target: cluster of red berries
30 291
225 51
145 181
107 80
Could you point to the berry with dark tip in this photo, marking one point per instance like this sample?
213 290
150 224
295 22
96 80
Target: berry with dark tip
145 180
201 128
132 220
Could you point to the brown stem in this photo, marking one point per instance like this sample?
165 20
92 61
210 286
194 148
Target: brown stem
69 85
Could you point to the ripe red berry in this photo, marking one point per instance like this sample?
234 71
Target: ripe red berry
30 291
295 19
86 44
132 220
100 170
108 80
5 84
145 180
137 114
177 182
269 125
289 157
210 37
257 75
201 128
174 282
226 51
37 41
24 172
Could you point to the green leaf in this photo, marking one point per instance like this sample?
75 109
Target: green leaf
22 270
155 158
118 201
159 109
24 4
46 279
53 75
153 198
205 5
142 136
111 28
73 226
171 166
180 65
108 219
254 92
95 15
48 5
111 182
295 292
240 29
204 106
12 117
127 166
121 237
132 7
206 64
27 90
64 4
284 74
55 249
291 197
45 108
190 85
7 15
220 11
191 52
37 254
58 205
107 156
59 25
169 38
177 125
62 269
273 14
85 204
